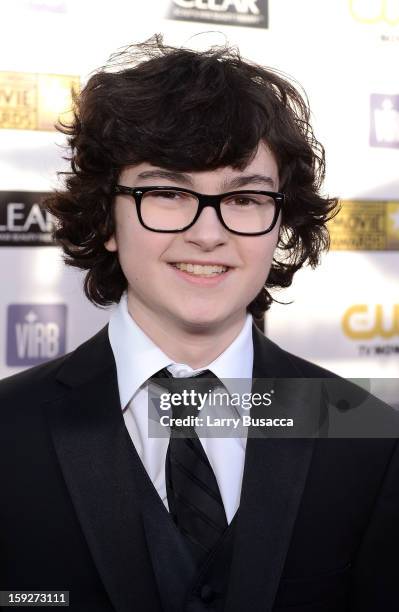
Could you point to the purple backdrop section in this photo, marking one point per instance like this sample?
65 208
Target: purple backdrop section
35 333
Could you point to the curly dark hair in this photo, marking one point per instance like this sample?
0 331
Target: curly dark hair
186 110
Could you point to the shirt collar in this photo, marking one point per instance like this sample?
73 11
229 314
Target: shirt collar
137 357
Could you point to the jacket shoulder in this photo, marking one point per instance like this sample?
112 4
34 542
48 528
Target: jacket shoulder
271 359
30 381
40 382
307 368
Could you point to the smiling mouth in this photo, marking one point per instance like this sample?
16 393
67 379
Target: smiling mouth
199 270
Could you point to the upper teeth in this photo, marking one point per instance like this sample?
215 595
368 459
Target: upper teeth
197 269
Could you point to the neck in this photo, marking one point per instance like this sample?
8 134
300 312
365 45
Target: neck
195 345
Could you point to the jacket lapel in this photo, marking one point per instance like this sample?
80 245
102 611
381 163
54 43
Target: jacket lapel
99 463
274 478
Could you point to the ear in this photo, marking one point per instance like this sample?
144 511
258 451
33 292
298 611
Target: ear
111 244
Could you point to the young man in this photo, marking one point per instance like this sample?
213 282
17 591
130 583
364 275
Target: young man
187 171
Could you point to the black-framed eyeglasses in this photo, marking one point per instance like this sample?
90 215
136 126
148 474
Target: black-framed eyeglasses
172 209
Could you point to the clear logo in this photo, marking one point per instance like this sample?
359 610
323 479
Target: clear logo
251 13
23 220
53 6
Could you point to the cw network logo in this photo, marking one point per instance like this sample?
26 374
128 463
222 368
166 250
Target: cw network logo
365 322
371 12
35 333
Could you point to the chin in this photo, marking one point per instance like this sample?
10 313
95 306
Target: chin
197 317
202 320
199 323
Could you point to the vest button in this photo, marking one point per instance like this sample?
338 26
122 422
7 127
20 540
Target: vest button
207 595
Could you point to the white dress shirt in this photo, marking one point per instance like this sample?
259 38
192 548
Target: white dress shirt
137 359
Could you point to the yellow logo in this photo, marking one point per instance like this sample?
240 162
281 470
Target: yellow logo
361 322
392 222
365 226
35 101
375 11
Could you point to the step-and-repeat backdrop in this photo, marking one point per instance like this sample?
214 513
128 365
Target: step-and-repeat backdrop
345 53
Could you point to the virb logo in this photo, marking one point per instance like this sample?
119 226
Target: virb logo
35 333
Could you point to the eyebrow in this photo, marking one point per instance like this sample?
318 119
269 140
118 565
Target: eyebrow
185 179
247 179
170 175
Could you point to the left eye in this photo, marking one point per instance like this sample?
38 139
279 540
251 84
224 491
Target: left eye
243 201
168 195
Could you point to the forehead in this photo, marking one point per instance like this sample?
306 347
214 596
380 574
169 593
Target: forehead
261 171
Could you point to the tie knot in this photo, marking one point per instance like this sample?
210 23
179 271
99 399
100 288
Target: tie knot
189 392
164 373
206 380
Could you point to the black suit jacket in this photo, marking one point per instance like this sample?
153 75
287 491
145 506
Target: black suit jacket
318 528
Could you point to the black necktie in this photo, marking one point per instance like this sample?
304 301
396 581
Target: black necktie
193 494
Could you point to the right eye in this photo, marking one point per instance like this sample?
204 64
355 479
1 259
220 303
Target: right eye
169 195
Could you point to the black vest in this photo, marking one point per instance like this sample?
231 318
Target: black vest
182 586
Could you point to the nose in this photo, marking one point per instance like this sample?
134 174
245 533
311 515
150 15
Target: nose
207 231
